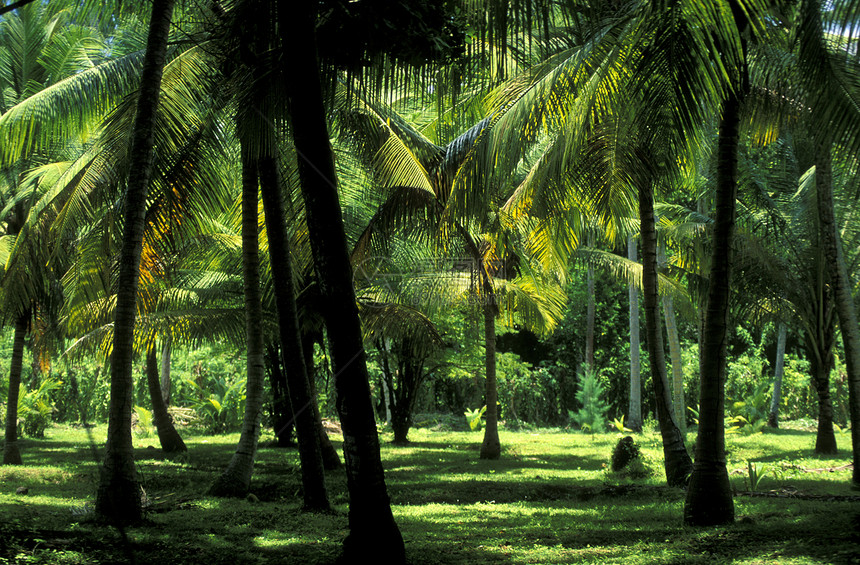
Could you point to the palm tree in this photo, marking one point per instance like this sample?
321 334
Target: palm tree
373 531
37 43
837 121
118 493
301 395
171 441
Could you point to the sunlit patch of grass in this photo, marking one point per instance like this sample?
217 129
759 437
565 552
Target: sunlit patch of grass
545 501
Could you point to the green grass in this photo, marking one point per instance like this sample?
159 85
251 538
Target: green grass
549 499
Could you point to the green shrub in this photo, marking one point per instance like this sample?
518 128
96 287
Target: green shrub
590 417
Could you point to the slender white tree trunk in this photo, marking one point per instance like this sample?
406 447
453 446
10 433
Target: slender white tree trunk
679 404
773 416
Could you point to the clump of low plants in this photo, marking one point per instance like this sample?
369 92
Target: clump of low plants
628 462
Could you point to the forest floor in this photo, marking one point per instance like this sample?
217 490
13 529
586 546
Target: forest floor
549 499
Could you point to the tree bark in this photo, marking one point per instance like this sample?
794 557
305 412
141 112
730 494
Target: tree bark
837 273
11 453
634 408
165 370
301 399
676 460
170 440
589 314
679 404
283 422
118 496
331 460
235 481
709 495
779 367
374 535
491 446
825 438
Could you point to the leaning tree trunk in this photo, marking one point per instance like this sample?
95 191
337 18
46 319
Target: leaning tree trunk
837 273
236 478
779 367
676 460
709 495
118 497
170 440
634 408
11 454
301 399
374 535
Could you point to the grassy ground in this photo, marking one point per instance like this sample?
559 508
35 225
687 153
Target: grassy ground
548 500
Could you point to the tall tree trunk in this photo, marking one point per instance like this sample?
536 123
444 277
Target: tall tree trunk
11 454
676 460
386 401
236 478
374 535
283 422
169 438
589 314
779 366
491 447
331 460
821 366
166 350
634 408
301 399
118 496
845 308
679 405
709 495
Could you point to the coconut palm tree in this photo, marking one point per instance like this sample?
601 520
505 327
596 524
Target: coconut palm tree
118 494
39 47
373 531
829 71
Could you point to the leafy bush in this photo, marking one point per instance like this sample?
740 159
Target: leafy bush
628 462
35 408
473 418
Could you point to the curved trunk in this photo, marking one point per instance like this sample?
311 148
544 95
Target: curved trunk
709 495
118 496
634 409
169 438
11 454
676 460
779 366
374 535
301 399
235 480
845 307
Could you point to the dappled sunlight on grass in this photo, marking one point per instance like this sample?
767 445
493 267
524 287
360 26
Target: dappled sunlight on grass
547 500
